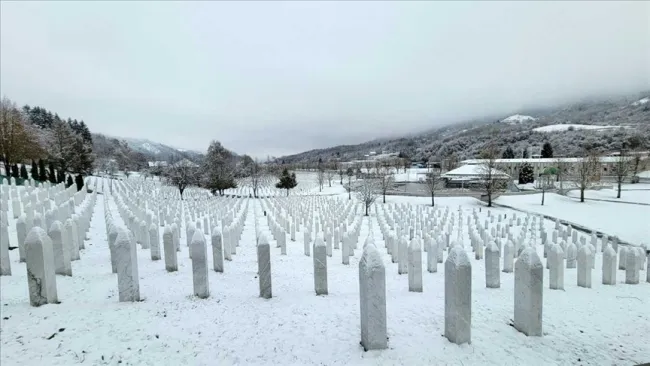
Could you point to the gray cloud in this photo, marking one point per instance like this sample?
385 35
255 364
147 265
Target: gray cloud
274 78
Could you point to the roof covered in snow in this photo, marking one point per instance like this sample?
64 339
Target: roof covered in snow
603 159
472 171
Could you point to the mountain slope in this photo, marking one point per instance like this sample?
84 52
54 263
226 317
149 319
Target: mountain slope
467 139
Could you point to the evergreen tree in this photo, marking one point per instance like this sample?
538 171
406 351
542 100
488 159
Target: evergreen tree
79 181
83 164
42 173
547 150
287 181
15 172
509 153
34 171
52 174
525 153
526 174
69 183
23 172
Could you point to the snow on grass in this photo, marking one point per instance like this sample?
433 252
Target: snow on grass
518 118
628 222
633 193
641 101
602 325
560 128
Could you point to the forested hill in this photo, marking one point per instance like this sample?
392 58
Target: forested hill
597 124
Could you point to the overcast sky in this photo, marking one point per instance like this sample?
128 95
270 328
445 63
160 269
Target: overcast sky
277 78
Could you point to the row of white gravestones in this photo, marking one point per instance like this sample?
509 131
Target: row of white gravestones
27 221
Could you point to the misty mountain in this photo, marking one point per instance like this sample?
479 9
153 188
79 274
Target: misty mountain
608 122
153 151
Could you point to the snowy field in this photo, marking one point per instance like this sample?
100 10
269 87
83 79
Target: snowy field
602 325
633 193
628 222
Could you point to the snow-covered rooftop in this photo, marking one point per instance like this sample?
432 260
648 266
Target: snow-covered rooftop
472 171
603 159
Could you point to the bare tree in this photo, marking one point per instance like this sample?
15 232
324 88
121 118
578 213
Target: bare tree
586 173
385 180
256 176
341 172
490 175
406 163
367 193
61 146
182 174
433 181
320 176
450 162
622 167
562 172
350 173
545 180
17 138
329 173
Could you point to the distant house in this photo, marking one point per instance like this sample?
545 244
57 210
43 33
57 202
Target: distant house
512 166
157 164
470 176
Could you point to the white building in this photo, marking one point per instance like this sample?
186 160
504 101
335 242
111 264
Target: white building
512 166
470 175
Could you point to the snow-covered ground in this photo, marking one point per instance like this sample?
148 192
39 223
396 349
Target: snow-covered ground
597 326
628 222
633 193
518 118
641 101
559 128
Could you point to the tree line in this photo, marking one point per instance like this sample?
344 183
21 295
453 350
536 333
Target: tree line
31 135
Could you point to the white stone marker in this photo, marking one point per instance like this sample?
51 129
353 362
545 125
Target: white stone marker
458 297
190 234
492 264
432 256
217 250
112 236
345 250
609 266
200 265
556 267
60 250
264 267
128 282
584 267
320 267
571 255
631 267
529 289
402 256
41 278
372 300
307 242
154 242
169 247
622 258
508 257
21 233
415 265
5 261
144 235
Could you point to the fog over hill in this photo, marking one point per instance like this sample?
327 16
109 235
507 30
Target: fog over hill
629 114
